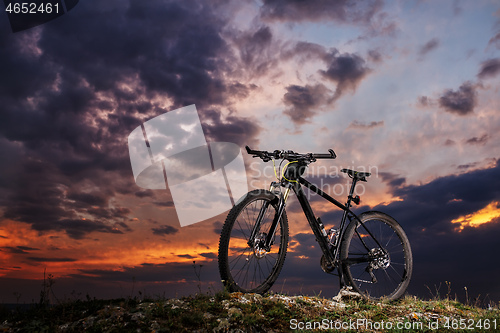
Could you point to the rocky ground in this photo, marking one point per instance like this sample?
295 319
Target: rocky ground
236 312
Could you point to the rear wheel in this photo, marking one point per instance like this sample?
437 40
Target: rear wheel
376 256
244 264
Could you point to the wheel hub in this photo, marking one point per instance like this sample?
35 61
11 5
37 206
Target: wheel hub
379 259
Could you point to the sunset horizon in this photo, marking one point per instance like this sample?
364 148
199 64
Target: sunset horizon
406 90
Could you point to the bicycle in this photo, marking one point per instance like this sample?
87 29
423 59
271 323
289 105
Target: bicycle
371 253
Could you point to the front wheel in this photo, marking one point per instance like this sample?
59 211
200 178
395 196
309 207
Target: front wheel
245 265
376 256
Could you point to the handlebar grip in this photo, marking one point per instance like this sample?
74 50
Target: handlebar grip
254 152
264 155
332 155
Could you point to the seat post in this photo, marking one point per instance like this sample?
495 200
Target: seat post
351 192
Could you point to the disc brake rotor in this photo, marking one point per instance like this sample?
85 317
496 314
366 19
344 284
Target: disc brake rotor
379 259
258 248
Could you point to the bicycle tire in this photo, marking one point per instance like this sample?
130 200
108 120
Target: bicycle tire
391 270
264 268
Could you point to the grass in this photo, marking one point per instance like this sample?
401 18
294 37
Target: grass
225 312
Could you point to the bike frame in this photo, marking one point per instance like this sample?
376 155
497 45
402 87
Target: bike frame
331 253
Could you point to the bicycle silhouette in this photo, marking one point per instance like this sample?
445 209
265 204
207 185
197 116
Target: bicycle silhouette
371 252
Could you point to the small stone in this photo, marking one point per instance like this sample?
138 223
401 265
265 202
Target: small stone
234 311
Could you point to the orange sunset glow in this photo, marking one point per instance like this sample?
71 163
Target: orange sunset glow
485 215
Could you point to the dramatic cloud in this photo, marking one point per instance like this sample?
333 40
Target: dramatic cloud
256 51
18 249
489 68
240 130
426 212
72 91
436 204
317 10
478 141
347 70
69 109
467 166
393 180
461 101
164 230
303 101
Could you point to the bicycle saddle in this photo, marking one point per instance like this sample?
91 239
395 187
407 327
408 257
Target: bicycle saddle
356 174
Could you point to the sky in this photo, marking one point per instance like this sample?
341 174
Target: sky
408 90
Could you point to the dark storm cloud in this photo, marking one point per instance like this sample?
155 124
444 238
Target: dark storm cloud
317 10
393 180
72 90
188 256
435 204
85 199
478 141
256 50
230 128
439 250
467 166
19 249
428 47
164 230
41 200
208 255
489 68
42 259
346 69
304 51
78 228
303 101
461 101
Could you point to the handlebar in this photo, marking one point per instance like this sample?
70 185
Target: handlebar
289 155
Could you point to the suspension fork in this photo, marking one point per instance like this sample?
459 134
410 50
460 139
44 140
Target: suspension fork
272 230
